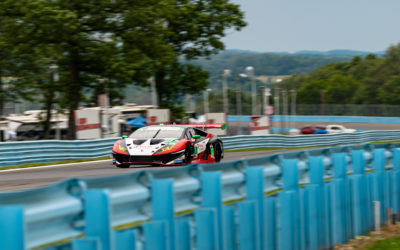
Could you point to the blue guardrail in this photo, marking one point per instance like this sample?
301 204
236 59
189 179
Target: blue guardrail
299 200
17 153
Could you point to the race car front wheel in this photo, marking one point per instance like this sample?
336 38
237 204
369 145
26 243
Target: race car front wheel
218 152
123 166
188 154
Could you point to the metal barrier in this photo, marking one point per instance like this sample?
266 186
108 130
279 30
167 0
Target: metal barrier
17 153
300 200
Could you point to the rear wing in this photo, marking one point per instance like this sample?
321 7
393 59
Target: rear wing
204 126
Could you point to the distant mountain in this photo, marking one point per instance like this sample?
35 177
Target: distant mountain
336 52
244 51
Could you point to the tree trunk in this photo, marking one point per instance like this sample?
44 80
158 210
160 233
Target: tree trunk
1 96
73 95
160 75
47 122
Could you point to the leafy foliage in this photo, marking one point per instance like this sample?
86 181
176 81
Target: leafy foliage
123 41
369 80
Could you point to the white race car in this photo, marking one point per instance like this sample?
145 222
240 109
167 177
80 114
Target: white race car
336 129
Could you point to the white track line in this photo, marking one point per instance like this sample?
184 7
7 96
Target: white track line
50 166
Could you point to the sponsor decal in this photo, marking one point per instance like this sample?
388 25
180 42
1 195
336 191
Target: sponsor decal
122 148
87 126
142 146
171 141
167 148
178 161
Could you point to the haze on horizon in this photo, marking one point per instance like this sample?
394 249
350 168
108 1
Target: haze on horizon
293 25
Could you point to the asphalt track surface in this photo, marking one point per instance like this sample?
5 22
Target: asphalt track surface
18 179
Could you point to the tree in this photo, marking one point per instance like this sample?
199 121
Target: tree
124 41
389 93
310 93
189 29
341 89
77 36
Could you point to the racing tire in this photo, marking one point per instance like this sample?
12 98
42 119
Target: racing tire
188 154
123 166
217 152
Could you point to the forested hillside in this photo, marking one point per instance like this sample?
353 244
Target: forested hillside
369 80
270 64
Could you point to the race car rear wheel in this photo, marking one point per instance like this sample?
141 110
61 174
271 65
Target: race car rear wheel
123 166
188 154
218 152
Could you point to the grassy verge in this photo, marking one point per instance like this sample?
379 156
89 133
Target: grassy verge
32 165
387 244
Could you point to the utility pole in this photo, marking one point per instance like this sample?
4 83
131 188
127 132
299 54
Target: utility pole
285 109
238 104
293 108
153 88
276 108
225 75
250 74
206 103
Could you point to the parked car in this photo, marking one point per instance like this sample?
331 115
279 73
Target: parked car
336 129
317 129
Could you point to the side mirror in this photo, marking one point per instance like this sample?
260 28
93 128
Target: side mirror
196 137
124 136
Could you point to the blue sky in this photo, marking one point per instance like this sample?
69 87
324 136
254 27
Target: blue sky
294 25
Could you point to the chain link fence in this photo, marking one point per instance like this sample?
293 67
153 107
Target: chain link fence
308 109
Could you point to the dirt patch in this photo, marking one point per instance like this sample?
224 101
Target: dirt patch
365 241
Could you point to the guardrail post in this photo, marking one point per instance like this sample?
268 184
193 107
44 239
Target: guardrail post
388 193
183 236
249 236
157 235
361 206
378 180
212 197
255 192
229 236
125 240
288 222
396 182
88 243
98 217
270 225
340 206
316 215
163 205
12 227
289 209
207 229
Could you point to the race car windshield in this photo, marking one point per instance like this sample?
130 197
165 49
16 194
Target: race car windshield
160 133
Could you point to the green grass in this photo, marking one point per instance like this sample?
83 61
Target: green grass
31 165
388 244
